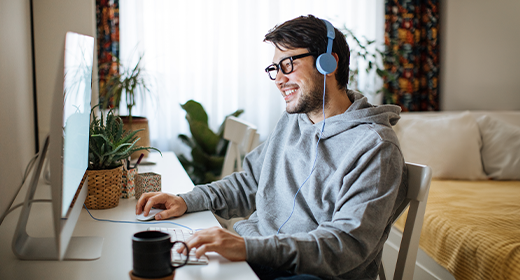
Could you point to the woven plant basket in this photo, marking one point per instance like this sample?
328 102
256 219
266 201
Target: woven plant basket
104 188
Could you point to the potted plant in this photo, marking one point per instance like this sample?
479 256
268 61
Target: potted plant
129 82
362 49
109 146
208 148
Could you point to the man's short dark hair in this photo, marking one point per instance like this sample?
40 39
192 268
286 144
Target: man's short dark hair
310 32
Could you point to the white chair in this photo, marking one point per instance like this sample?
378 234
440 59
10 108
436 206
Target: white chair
241 136
419 178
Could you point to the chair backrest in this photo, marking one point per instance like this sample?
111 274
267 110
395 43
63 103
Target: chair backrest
239 134
419 178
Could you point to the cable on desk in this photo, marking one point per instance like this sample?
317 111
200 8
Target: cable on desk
130 222
28 169
30 202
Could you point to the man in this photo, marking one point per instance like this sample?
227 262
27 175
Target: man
342 210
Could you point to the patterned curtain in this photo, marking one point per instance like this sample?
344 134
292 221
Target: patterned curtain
412 48
107 19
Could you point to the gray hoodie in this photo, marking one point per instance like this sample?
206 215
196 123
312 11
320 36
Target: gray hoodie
342 214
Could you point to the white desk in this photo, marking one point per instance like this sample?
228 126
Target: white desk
116 257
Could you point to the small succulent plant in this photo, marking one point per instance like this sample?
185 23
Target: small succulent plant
109 143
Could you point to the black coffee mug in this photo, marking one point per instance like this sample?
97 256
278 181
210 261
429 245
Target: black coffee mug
152 254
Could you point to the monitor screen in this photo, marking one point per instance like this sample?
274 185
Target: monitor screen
76 113
66 148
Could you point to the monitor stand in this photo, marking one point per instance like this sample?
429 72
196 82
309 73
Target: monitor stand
62 246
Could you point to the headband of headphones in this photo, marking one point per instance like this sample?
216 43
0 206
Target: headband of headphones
326 63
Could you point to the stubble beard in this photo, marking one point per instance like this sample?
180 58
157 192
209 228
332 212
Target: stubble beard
311 100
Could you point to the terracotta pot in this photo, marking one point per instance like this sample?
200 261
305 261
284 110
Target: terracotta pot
138 123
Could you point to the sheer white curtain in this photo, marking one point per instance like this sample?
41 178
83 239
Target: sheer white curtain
212 52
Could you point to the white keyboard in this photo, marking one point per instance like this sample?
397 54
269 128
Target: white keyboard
178 234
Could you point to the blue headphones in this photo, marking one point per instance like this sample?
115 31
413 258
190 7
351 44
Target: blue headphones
326 63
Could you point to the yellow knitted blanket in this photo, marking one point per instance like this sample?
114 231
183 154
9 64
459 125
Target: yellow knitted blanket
472 228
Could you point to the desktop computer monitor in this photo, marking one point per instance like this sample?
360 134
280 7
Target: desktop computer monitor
66 149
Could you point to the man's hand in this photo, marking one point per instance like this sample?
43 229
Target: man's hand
216 239
175 206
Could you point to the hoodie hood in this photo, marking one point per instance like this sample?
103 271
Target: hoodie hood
360 112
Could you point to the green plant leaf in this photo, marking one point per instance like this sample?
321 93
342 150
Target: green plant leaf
195 112
199 156
216 162
204 136
183 160
130 81
207 147
186 140
109 143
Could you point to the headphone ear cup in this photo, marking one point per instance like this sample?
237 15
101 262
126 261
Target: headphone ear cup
326 63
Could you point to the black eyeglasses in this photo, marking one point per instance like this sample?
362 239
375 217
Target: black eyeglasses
286 65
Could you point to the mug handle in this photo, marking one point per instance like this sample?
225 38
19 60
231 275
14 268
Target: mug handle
187 257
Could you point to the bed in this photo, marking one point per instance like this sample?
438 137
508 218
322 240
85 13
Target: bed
471 227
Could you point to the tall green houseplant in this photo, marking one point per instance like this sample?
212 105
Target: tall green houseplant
131 82
208 148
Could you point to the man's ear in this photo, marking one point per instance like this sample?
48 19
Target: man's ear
337 62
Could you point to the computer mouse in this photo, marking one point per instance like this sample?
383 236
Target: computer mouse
150 216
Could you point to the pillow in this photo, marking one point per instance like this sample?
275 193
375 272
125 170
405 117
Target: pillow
500 148
450 144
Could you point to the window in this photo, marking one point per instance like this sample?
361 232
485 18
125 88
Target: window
193 50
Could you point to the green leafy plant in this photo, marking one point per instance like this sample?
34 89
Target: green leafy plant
109 143
208 148
131 81
375 58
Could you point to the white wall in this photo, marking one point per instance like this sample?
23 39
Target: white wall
52 19
480 41
16 97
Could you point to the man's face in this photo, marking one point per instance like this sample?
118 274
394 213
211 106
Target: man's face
302 89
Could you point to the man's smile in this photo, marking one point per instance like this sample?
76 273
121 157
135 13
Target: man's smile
288 94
